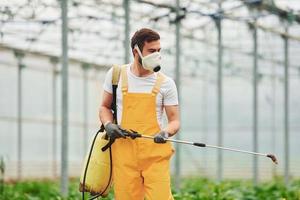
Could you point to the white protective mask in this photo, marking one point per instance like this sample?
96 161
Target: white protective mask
150 62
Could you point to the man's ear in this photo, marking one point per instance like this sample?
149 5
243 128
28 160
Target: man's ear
134 51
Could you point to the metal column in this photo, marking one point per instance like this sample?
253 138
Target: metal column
204 116
220 98
54 62
65 110
127 30
85 108
19 57
177 81
286 109
273 116
255 104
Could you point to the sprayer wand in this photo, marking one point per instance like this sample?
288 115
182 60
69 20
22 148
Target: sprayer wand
133 134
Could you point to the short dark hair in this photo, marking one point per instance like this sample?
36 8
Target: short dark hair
143 35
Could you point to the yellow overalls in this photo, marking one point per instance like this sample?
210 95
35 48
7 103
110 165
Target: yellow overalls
140 166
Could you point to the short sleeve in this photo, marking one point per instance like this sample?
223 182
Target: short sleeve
170 97
107 85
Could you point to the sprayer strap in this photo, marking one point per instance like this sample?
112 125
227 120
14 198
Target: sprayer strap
115 80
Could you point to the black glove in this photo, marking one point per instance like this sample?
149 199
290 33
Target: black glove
114 131
161 137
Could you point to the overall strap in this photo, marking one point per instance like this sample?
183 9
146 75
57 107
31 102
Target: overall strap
158 83
124 79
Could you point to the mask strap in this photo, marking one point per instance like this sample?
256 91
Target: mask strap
138 50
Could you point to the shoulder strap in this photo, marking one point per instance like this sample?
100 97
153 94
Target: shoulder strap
124 80
158 83
115 81
116 74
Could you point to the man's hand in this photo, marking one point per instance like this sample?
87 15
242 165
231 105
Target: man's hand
113 131
161 137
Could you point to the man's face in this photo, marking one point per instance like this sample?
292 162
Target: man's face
151 47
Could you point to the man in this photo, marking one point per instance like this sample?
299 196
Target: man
141 166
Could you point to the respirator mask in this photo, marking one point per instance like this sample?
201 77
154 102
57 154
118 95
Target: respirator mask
150 62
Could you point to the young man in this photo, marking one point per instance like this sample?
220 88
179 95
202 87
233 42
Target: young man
141 166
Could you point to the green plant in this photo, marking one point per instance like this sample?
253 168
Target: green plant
192 189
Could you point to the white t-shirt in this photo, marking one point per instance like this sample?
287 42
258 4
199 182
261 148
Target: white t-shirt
167 95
